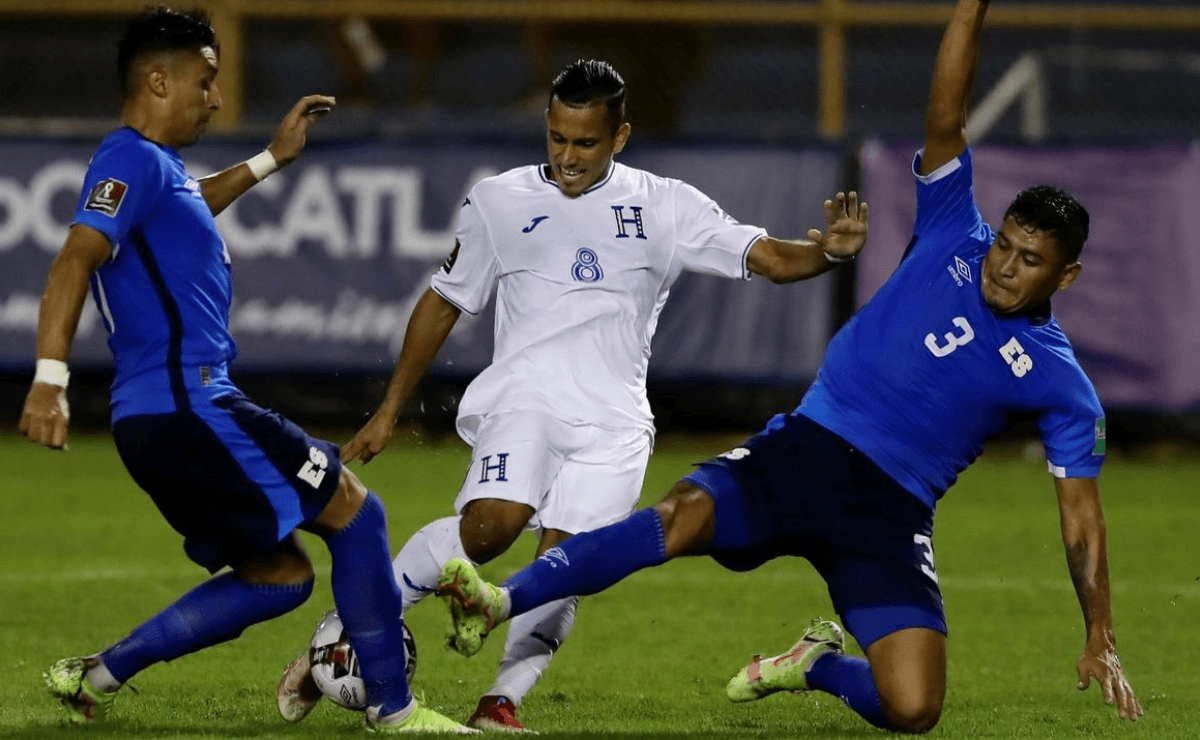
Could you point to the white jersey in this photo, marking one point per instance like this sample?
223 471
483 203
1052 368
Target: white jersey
580 284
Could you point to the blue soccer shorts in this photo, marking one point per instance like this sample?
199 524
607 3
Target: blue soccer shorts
798 489
232 477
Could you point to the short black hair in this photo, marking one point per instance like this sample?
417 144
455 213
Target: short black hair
589 81
162 29
1056 212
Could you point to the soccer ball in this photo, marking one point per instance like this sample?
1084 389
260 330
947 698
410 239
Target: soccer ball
335 668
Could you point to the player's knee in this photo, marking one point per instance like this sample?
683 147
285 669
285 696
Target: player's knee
286 565
342 507
688 517
489 527
913 713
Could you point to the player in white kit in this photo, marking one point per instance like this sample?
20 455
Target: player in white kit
581 253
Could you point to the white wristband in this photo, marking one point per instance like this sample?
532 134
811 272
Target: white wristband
835 259
262 164
53 372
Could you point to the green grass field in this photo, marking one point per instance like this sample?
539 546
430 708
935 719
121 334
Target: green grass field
84 556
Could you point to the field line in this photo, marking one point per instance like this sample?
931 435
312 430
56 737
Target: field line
103 574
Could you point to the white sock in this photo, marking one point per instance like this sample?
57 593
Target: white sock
420 561
394 717
533 638
100 678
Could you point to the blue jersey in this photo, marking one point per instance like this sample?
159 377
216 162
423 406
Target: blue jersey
925 372
165 293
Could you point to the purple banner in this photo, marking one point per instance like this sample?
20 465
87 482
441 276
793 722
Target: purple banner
331 254
1134 314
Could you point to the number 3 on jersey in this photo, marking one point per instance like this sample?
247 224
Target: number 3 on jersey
953 341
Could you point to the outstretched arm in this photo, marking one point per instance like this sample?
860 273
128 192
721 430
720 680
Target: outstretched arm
1083 534
45 416
946 116
227 185
428 327
785 261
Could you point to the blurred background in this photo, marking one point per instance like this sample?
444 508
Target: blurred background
768 106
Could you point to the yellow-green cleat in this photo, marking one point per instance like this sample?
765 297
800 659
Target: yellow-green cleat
785 672
67 681
476 606
420 720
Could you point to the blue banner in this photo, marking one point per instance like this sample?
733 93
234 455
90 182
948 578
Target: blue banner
331 254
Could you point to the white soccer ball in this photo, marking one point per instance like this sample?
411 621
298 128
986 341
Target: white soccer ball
335 667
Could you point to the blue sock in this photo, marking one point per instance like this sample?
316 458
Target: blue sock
849 679
368 601
589 562
216 611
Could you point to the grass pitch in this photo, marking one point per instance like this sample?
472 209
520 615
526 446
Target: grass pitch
85 557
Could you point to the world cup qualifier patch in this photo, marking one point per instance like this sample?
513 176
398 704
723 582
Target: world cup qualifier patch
1101 438
106 197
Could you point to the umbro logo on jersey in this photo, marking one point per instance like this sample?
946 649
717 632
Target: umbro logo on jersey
106 197
533 224
960 271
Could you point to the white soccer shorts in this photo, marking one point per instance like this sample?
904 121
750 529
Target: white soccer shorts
576 478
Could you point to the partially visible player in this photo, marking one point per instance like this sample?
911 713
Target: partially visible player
581 253
957 344
234 479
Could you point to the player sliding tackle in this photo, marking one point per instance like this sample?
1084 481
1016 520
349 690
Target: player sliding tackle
909 391
564 398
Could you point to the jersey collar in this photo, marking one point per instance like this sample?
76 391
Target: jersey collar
544 173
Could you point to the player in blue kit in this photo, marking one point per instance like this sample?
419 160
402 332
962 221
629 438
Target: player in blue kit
236 480
956 345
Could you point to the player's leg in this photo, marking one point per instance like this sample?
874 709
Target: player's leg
202 480
680 524
533 639
598 484
417 566
512 464
354 527
909 668
872 543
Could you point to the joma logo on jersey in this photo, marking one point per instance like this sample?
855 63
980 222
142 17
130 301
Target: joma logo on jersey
960 271
500 468
635 221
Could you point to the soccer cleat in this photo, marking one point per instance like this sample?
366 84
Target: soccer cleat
475 606
297 693
497 714
420 720
67 681
786 672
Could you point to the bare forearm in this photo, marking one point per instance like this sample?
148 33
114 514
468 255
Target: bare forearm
956 62
787 260
226 186
1088 564
1084 535
428 327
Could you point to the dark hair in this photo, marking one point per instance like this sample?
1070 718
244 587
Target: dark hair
590 81
162 29
1056 212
